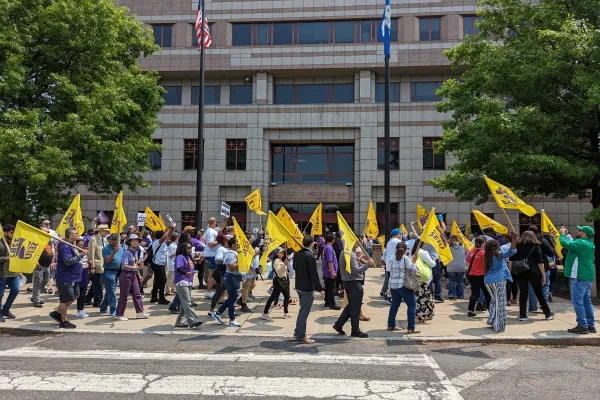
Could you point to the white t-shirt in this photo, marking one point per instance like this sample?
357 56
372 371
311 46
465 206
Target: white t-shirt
390 252
230 258
211 236
172 249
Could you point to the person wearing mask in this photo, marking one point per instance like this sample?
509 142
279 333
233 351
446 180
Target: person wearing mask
548 254
476 273
83 284
456 269
398 267
41 274
158 265
329 268
219 273
529 250
281 284
7 278
580 269
210 251
359 263
496 276
512 286
96 262
171 254
128 281
390 253
113 255
68 276
425 264
233 280
249 282
307 282
184 279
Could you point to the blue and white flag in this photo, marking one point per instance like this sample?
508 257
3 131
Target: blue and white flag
385 27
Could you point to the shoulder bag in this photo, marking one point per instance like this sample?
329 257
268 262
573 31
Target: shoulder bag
522 265
424 269
412 280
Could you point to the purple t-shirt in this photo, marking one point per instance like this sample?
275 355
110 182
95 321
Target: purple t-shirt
183 262
67 273
128 262
198 245
86 240
329 256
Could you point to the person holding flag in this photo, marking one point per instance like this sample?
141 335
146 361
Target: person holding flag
7 278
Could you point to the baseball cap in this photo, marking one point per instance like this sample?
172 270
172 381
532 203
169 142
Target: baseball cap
396 232
587 229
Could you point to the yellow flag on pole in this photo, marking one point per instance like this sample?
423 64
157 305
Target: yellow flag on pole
254 202
507 199
317 221
275 235
486 222
119 220
548 226
26 248
468 228
403 230
461 238
72 218
288 222
349 239
245 251
433 236
153 221
372 229
422 215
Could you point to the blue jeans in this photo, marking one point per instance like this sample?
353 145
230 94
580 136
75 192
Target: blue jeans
174 306
408 296
437 280
14 285
582 302
481 299
457 284
232 283
110 299
533 303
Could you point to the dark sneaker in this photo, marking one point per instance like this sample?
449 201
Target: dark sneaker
479 307
173 310
246 309
360 335
335 307
182 326
438 300
592 329
164 302
38 304
39 301
194 304
579 330
154 300
471 314
8 314
197 324
67 325
55 316
339 330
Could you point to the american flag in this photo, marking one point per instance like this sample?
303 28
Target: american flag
207 37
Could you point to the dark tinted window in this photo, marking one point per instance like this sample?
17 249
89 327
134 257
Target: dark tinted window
212 95
284 94
343 93
240 95
314 94
313 33
429 28
432 160
394 153
235 154
282 33
156 157
344 31
162 35
365 31
394 92
172 96
424 91
242 34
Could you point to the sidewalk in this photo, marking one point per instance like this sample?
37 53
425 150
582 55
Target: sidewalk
449 324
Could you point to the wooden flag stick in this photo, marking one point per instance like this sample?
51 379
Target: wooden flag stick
508 220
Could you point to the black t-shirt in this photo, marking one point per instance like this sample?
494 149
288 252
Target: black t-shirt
47 256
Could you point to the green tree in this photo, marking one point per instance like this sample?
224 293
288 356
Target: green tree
526 111
75 109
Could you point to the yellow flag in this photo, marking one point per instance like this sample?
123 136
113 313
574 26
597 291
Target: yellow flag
288 222
372 229
153 222
276 234
486 222
461 238
26 248
433 236
245 251
349 239
317 221
468 228
421 216
507 199
119 220
381 240
403 230
72 218
548 226
255 202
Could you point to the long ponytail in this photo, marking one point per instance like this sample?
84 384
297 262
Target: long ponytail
400 250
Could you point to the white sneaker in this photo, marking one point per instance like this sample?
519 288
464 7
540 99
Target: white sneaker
266 317
209 295
286 316
141 315
122 319
234 324
81 314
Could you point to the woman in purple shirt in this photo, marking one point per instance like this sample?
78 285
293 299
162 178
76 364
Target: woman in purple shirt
128 282
184 278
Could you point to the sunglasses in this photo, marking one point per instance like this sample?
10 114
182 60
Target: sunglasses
188 247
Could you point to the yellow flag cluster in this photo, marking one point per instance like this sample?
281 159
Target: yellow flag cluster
432 235
403 230
119 220
72 218
153 221
461 238
422 215
486 222
372 229
507 199
317 221
26 248
275 235
548 226
245 251
290 225
349 239
254 202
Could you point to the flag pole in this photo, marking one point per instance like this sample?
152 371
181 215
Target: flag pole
388 224
508 220
200 156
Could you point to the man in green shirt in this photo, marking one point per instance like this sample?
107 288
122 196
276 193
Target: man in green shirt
579 267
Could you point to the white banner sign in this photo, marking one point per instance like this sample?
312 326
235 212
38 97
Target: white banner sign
225 209
141 219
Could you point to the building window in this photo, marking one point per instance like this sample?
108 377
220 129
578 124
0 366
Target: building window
424 91
235 154
314 94
432 160
212 95
162 35
156 157
526 221
394 153
240 95
429 29
239 210
190 153
195 34
172 96
188 218
312 164
469 25
380 215
313 33
475 229
394 92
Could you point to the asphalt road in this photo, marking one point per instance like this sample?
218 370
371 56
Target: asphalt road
130 366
